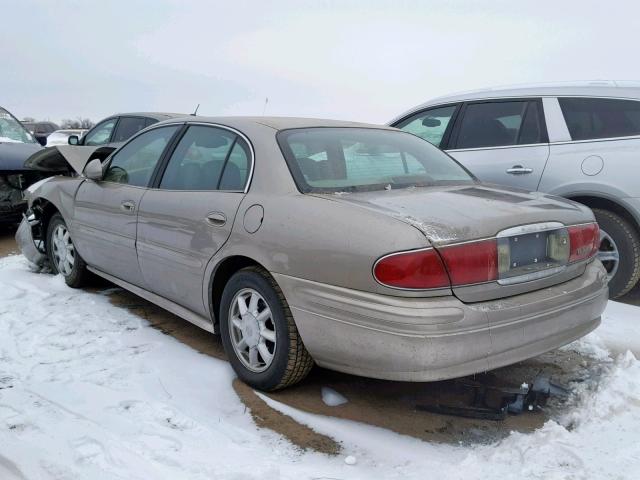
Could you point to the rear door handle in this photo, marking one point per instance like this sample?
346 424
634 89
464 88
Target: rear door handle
519 170
216 219
128 206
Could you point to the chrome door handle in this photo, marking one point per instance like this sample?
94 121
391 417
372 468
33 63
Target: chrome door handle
217 219
128 206
519 170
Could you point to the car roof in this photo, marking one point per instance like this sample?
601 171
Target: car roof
160 116
586 88
276 123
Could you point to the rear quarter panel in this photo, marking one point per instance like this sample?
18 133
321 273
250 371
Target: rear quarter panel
606 167
315 238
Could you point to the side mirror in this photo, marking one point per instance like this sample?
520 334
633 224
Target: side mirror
93 170
431 122
73 140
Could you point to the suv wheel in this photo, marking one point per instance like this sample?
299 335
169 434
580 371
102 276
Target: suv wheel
619 251
63 257
259 334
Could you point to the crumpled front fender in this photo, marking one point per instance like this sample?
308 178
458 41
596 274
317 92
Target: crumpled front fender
32 251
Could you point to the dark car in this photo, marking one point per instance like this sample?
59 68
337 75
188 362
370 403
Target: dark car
116 129
41 130
16 145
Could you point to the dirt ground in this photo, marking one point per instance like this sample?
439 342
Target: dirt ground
391 405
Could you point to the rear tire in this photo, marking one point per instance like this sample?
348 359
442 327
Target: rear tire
259 334
617 234
63 257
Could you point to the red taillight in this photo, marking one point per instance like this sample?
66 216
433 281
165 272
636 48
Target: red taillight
584 241
473 262
417 269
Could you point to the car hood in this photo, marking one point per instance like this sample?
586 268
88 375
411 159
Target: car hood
60 157
459 213
13 155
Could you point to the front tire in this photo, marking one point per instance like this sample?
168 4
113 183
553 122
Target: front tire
63 257
259 334
619 251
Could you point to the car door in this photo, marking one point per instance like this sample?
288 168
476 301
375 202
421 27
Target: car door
105 212
502 141
188 216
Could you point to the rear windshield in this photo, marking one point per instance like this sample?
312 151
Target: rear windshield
364 159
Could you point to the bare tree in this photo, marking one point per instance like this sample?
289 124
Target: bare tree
78 122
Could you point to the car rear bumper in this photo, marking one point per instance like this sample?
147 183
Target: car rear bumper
414 339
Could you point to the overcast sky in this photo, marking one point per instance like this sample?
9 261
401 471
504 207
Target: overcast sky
361 60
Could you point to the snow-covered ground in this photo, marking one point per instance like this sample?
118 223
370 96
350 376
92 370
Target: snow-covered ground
89 390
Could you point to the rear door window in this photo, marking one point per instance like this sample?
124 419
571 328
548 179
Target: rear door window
207 158
430 125
127 127
591 118
498 124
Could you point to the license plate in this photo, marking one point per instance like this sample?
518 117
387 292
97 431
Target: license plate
532 254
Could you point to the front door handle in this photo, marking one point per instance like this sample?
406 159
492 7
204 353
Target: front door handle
519 170
128 206
216 219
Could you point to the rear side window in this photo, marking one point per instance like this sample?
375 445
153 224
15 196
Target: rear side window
127 127
207 158
589 118
498 124
430 125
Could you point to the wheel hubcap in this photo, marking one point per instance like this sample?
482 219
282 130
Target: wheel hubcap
608 254
252 331
64 253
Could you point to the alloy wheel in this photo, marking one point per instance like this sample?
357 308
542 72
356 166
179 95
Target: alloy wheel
608 254
252 330
64 253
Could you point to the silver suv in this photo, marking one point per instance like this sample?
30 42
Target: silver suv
579 141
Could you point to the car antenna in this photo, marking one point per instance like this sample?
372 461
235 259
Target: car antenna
264 109
195 112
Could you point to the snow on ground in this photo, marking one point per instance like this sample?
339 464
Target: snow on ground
89 390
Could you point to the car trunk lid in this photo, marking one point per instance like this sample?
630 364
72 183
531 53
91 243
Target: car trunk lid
457 214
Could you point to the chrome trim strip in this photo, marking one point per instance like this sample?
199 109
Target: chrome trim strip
527 277
530 228
497 147
205 124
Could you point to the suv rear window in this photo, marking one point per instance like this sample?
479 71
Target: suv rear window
361 159
589 118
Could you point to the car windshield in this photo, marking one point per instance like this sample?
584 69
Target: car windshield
11 131
363 159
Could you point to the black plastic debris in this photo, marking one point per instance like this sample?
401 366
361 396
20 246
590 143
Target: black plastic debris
491 402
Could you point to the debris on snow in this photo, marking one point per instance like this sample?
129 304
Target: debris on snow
350 460
332 398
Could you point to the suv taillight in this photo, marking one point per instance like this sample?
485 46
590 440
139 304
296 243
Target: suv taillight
584 241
